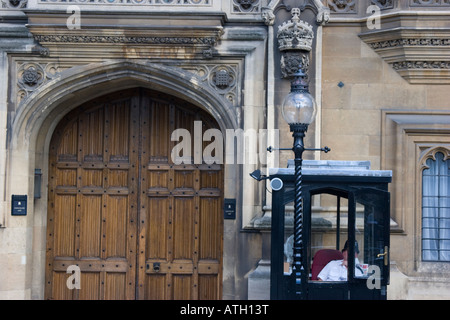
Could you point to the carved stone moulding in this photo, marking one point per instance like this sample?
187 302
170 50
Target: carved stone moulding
132 47
424 72
184 3
135 36
429 3
420 56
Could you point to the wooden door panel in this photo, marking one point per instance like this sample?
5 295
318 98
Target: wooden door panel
63 223
90 226
118 123
92 218
208 287
155 287
118 205
209 228
67 148
91 125
182 287
158 228
156 124
183 228
60 289
115 286
90 282
115 230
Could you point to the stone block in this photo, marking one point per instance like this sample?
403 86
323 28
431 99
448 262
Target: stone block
351 70
342 45
351 122
437 97
259 282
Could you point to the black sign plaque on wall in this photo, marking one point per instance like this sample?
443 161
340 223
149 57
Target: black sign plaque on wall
229 210
19 205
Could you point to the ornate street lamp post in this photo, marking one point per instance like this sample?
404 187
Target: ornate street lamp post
299 111
295 40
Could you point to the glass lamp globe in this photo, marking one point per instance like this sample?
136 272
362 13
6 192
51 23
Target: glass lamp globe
299 107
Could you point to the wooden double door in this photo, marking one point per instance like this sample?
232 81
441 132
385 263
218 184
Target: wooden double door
134 224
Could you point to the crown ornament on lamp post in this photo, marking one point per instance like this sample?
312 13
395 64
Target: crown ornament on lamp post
295 34
295 41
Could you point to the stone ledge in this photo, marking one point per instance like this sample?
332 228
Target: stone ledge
416 46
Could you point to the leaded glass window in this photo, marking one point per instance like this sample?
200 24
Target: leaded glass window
436 208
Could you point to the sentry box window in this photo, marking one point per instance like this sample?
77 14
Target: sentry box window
19 205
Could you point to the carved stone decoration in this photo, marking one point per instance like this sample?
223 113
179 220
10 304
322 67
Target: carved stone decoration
421 65
383 4
199 45
172 3
418 56
246 6
342 6
317 6
295 34
410 42
426 3
32 75
14 4
268 16
290 62
295 40
222 78
430 153
323 15
127 39
208 53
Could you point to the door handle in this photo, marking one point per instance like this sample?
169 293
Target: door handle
385 255
156 266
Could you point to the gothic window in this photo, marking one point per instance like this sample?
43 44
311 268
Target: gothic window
436 207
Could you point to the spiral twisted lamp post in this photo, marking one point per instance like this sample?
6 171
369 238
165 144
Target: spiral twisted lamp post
299 111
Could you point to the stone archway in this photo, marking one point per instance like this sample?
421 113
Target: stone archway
36 120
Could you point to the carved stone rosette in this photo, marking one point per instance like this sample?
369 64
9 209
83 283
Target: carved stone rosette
32 75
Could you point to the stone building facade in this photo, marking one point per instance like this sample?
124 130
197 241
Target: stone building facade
379 71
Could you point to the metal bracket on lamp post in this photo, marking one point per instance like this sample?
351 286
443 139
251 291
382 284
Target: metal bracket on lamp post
324 149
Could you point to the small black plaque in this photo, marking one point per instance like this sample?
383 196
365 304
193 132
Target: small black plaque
19 205
229 209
